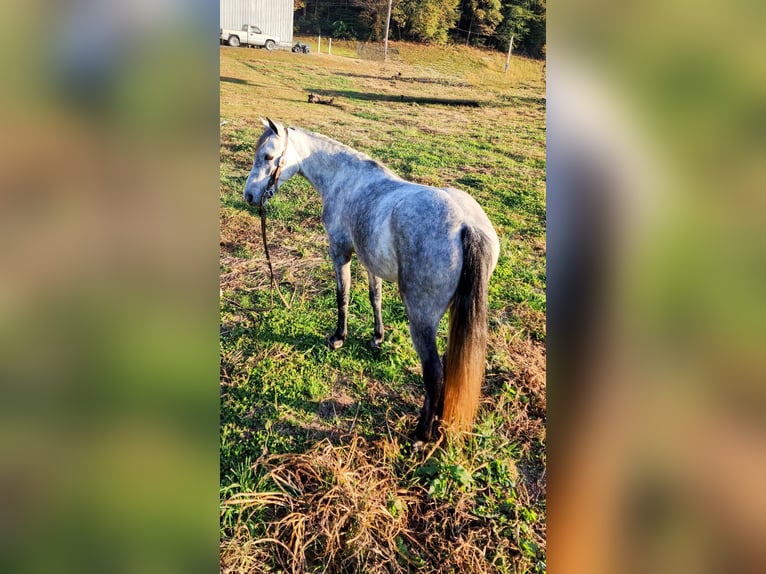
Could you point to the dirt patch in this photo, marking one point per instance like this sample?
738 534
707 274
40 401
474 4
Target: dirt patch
336 405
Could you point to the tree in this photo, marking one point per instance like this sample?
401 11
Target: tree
525 21
427 20
374 14
488 23
481 17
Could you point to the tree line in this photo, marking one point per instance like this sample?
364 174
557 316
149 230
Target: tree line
484 23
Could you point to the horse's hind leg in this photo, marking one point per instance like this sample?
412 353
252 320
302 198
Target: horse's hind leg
341 260
424 339
376 285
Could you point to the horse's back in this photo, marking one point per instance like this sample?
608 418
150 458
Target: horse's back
405 228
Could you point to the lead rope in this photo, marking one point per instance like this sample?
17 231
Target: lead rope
262 212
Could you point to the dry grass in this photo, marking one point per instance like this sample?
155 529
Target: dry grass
345 509
332 505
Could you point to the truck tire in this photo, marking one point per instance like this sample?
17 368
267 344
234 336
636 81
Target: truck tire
234 41
269 45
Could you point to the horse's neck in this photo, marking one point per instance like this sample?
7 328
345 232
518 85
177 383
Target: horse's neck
327 165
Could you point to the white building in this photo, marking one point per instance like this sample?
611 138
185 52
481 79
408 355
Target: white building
271 16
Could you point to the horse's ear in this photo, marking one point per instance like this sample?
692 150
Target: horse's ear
273 126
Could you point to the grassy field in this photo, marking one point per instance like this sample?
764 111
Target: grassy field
317 473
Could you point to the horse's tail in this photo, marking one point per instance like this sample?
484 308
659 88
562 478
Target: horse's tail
467 339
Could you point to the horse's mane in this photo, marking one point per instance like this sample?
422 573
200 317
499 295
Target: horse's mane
347 150
358 155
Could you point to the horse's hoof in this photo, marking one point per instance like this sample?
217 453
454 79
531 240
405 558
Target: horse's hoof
334 342
418 445
420 437
376 344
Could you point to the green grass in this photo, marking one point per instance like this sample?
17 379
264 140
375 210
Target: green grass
285 394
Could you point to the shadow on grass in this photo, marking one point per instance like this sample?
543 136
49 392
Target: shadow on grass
376 97
373 412
336 421
400 78
241 82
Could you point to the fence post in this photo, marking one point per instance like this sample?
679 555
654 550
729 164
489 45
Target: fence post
388 23
319 44
329 49
508 59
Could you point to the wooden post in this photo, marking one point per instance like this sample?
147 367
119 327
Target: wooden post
329 49
508 59
388 22
319 44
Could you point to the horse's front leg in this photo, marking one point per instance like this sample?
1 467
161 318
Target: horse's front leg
341 260
376 286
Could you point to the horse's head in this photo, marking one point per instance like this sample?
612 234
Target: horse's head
271 162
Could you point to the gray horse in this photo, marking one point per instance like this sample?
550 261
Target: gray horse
437 244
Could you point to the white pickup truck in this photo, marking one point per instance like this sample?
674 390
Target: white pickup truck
248 36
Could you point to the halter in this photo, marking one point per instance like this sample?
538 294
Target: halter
274 177
273 183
